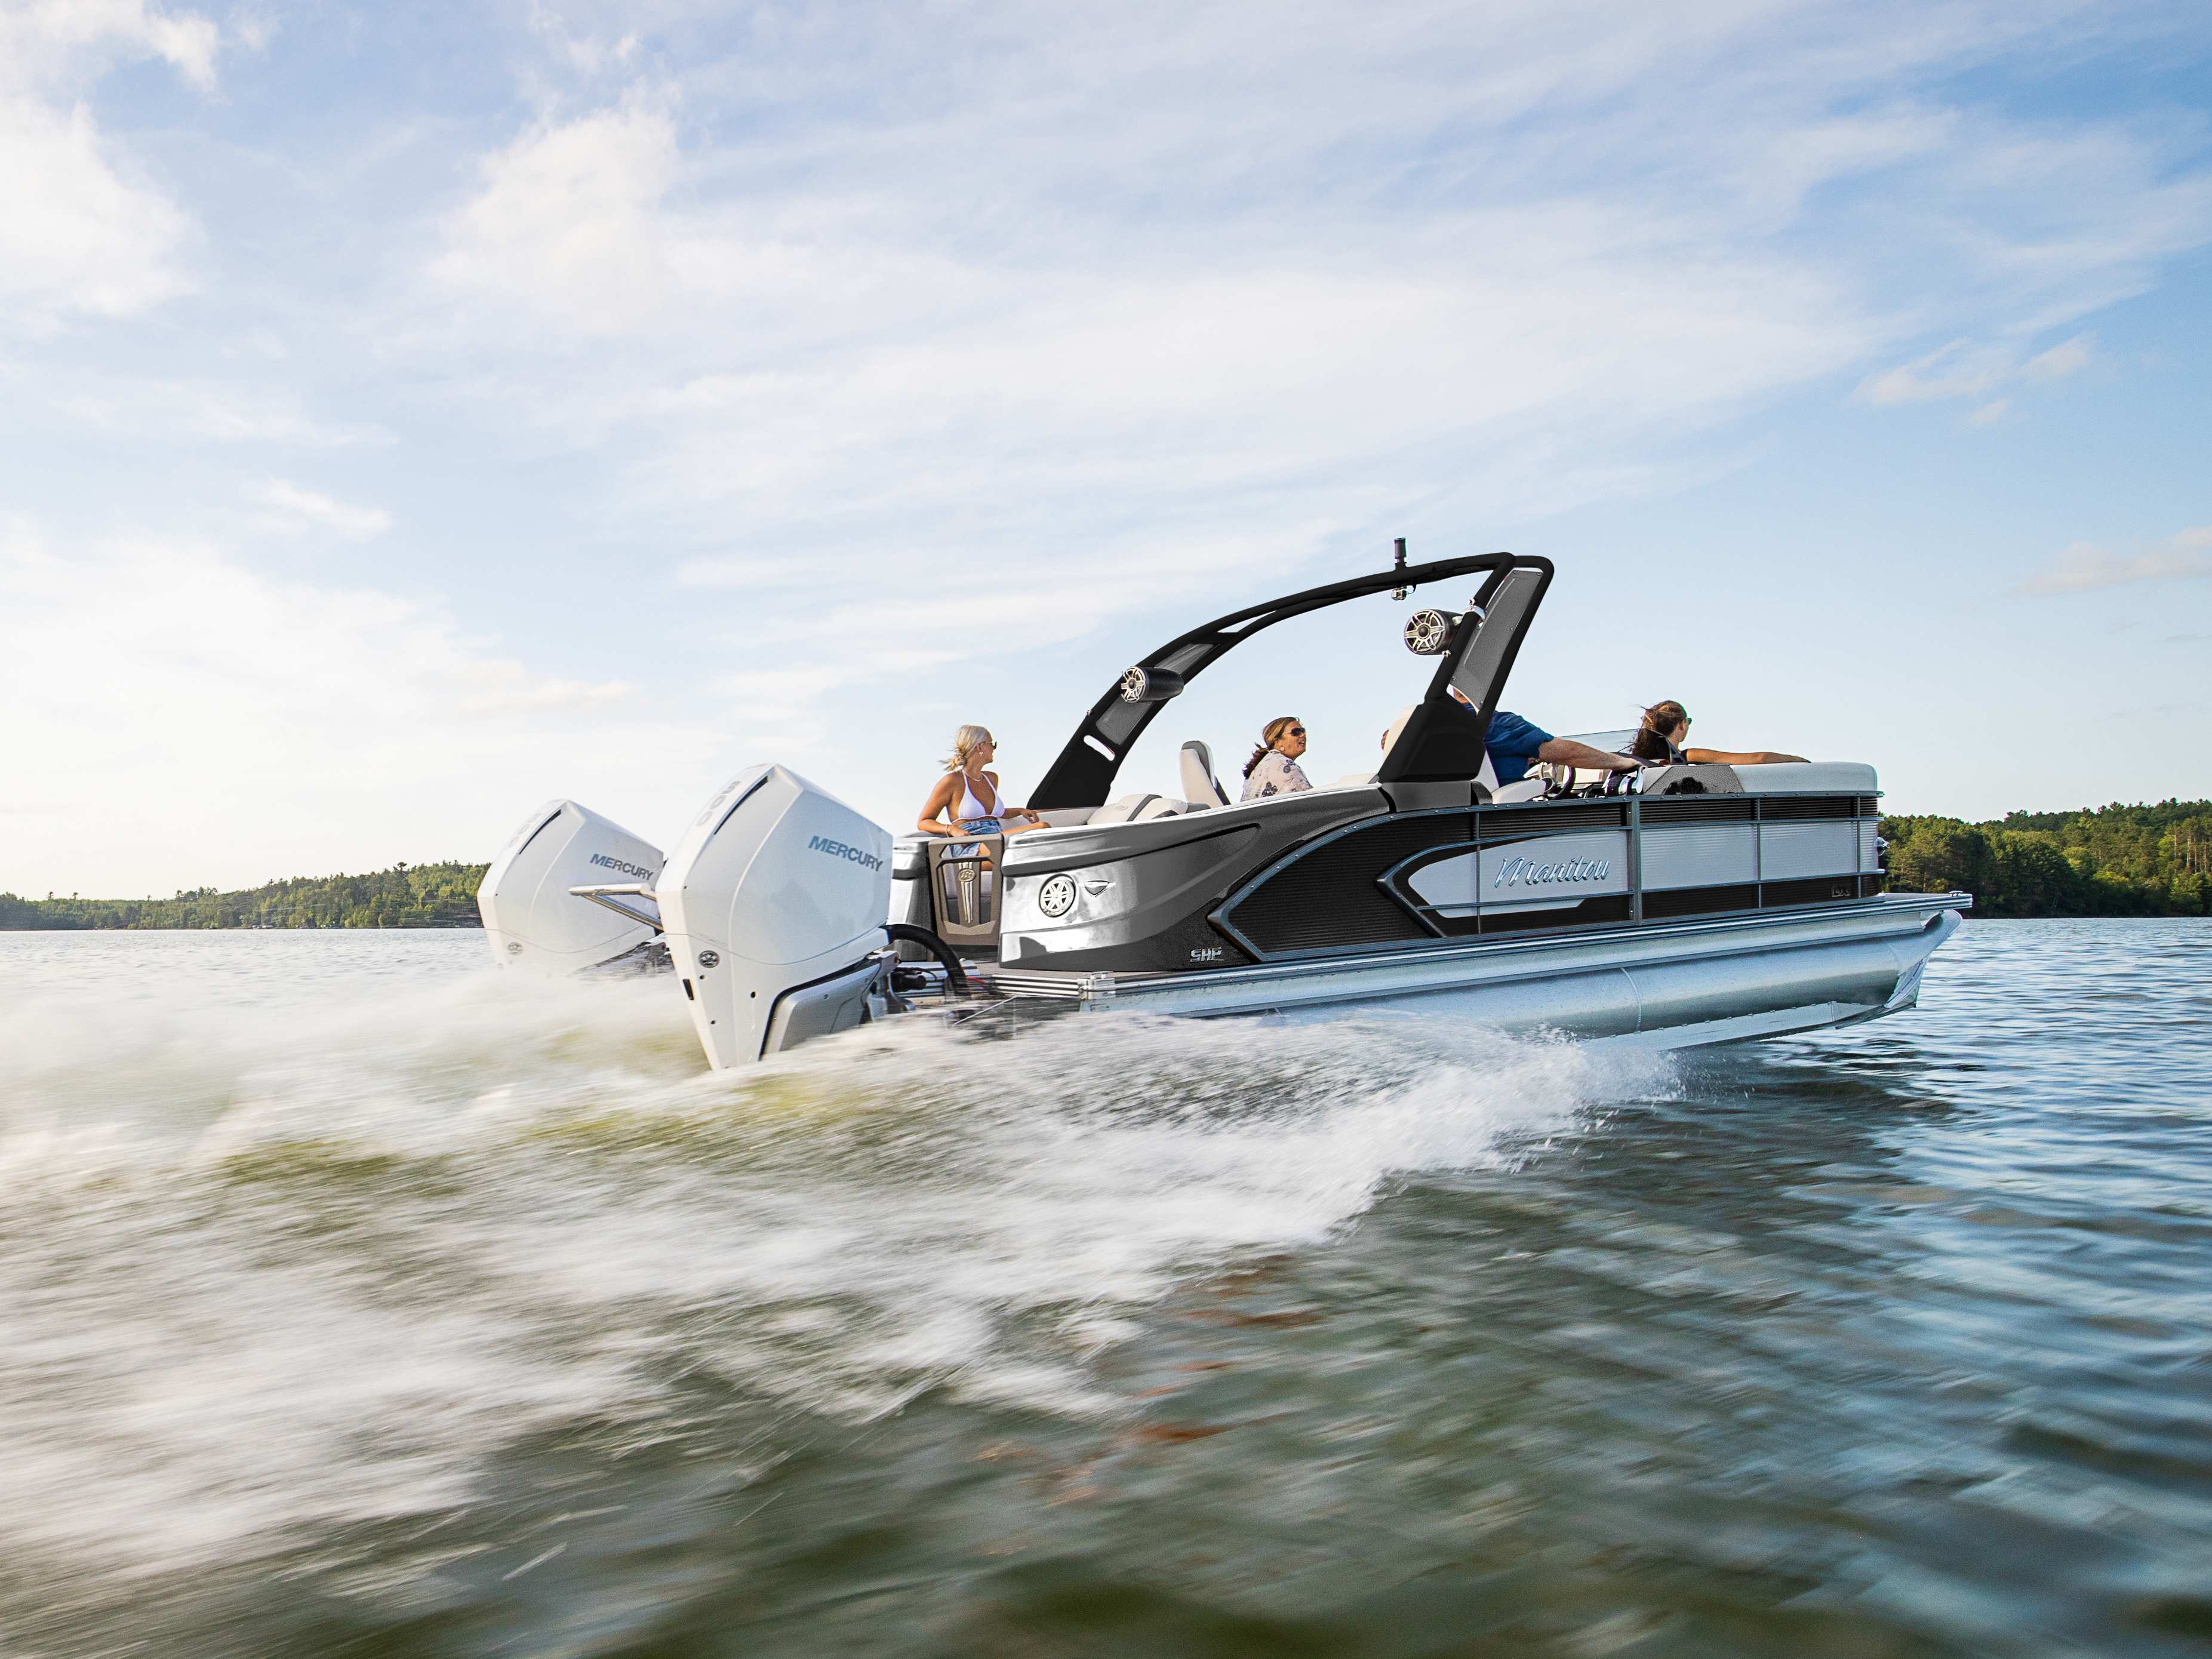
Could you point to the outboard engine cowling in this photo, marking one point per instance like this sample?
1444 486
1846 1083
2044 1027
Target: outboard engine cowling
535 922
774 907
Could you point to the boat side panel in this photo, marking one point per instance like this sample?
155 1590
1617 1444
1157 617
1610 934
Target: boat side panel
1144 891
1337 871
1792 851
1133 908
1699 856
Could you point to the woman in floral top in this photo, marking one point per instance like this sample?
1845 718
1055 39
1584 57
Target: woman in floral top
1273 768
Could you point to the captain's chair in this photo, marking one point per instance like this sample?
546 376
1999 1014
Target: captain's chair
1200 786
1486 787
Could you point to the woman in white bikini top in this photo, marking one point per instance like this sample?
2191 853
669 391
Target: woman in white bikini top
967 800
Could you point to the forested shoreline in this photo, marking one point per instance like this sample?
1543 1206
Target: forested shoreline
405 895
2113 861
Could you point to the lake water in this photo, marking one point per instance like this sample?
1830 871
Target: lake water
356 1300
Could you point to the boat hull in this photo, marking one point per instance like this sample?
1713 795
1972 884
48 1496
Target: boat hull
1683 984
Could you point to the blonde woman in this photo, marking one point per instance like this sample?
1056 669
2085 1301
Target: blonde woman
1274 768
966 801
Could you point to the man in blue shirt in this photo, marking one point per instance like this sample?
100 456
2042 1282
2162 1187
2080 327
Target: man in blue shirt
1515 745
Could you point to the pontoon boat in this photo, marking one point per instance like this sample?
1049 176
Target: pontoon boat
1679 906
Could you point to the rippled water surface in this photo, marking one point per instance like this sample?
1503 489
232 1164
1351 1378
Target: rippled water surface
356 1300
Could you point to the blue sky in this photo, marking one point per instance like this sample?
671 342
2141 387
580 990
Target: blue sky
410 414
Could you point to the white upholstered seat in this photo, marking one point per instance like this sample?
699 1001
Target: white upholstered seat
1199 786
1138 808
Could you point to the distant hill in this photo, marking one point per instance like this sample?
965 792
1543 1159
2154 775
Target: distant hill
405 895
2109 861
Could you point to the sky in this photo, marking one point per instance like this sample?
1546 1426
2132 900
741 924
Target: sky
409 414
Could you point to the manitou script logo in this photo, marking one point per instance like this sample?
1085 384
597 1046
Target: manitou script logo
838 850
1523 872
637 870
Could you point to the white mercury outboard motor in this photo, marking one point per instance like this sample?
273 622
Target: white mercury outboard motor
774 907
537 924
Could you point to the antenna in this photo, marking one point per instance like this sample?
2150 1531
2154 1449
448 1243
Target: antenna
1399 564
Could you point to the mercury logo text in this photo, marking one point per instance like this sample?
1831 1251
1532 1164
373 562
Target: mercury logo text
838 850
637 870
1522 873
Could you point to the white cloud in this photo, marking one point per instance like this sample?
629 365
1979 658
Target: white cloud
495 688
1080 273
81 232
744 575
229 412
2068 357
1990 413
1960 369
567 221
75 236
2082 566
223 727
293 509
51 40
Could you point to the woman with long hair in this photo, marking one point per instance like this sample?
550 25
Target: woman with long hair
966 801
1666 728
1274 768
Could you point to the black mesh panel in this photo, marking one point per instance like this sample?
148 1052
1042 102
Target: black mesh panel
1701 808
1698 901
1778 808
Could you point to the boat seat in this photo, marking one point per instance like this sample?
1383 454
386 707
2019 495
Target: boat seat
1199 783
1139 809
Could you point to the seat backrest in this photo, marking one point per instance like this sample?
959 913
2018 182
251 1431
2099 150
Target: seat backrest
1200 786
1486 780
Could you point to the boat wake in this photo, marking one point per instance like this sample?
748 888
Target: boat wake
293 1266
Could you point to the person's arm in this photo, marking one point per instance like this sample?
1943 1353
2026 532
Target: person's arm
1729 757
1008 814
932 821
1567 751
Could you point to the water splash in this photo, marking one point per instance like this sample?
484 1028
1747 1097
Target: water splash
277 1263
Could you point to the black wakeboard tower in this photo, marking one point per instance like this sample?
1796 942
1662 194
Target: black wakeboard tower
1441 741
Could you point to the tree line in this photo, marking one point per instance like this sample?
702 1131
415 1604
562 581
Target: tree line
2115 861
405 895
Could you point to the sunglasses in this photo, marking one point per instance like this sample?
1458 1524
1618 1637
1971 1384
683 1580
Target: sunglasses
1296 731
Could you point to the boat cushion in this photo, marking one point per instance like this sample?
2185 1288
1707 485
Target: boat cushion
1138 808
1199 784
